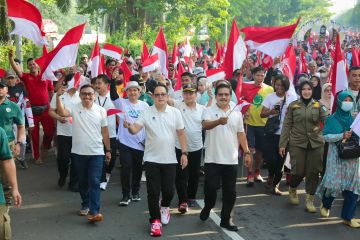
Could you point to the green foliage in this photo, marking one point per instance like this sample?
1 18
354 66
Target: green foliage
351 17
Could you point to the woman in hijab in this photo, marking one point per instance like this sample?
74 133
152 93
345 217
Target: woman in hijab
302 131
315 80
341 175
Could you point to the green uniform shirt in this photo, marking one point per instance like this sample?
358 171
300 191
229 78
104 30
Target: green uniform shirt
5 154
146 98
10 113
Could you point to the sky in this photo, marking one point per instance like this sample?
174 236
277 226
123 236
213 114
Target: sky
341 5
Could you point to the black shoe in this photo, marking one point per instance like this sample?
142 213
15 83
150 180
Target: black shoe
61 181
125 201
204 214
73 187
135 197
229 227
23 164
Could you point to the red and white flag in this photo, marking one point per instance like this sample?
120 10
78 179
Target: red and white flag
235 53
302 63
151 64
174 56
288 68
96 67
75 82
217 60
355 57
272 41
2 73
63 56
339 80
200 53
145 52
187 50
215 75
28 21
180 71
267 62
113 111
126 72
247 94
112 51
161 49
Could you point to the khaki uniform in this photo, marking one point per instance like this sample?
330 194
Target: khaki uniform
302 132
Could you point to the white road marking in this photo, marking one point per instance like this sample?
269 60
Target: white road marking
216 219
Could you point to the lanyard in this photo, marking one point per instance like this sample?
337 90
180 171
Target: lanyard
102 105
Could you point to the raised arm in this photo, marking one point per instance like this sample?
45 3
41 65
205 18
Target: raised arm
61 110
15 67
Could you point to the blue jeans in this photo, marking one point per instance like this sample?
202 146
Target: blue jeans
349 205
89 169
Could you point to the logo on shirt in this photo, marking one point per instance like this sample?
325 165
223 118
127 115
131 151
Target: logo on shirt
134 113
258 99
8 109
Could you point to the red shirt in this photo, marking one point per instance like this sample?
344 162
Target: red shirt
37 89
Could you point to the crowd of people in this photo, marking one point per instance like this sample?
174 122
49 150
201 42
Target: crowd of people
176 135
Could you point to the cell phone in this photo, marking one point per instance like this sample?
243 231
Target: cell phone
277 107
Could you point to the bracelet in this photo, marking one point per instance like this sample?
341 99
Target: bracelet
108 150
247 153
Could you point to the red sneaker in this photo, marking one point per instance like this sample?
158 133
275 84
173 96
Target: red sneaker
183 208
155 229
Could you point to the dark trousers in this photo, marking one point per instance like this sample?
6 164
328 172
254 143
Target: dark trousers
131 169
107 168
63 158
226 174
349 204
187 180
159 178
272 158
88 169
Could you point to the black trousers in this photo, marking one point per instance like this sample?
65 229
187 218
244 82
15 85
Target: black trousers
187 180
107 168
63 158
273 159
159 178
226 174
131 169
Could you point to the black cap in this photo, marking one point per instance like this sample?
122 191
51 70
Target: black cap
2 85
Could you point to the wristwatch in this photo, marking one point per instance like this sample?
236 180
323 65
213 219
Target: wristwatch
185 153
108 150
247 153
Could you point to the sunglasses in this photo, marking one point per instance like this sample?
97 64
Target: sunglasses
157 95
84 94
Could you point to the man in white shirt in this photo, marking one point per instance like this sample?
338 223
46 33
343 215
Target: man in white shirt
186 78
64 134
162 125
103 100
187 179
90 134
225 132
131 147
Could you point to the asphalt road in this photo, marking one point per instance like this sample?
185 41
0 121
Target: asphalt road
49 213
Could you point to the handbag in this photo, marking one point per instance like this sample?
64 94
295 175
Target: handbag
348 148
273 124
38 110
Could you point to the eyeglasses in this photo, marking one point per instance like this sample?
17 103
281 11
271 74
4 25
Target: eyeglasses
223 94
84 94
157 95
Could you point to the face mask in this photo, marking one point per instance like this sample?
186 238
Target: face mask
347 106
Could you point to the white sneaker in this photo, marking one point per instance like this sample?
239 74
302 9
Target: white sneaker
103 186
107 177
165 215
143 177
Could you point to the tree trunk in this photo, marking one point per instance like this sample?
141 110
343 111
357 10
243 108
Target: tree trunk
4 33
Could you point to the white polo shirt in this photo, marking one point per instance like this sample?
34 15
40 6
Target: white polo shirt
160 128
65 129
87 124
105 102
221 142
132 113
193 125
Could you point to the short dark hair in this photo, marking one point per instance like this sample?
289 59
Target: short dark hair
187 74
257 69
284 81
135 77
110 60
86 86
17 60
353 68
236 73
103 78
93 80
68 78
161 85
223 84
29 60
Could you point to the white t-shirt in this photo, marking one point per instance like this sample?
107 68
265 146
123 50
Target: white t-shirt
160 128
65 129
221 142
105 102
193 126
272 99
132 113
87 124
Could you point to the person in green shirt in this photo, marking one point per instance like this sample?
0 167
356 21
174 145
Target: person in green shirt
143 96
9 169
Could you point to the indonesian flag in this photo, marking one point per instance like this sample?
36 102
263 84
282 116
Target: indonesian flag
288 67
187 50
63 56
200 53
302 63
247 94
338 77
272 41
111 51
96 67
145 53
267 62
215 75
2 73
355 57
235 53
174 58
161 49
217 60
75 82
113 111
126 72
28 21
180 71
151 64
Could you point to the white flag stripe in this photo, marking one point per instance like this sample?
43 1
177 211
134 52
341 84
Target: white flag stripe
28 29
